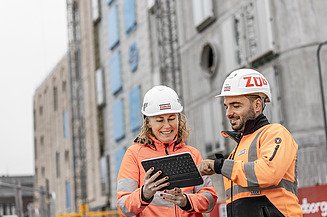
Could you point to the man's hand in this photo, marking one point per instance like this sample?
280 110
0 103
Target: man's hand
207 167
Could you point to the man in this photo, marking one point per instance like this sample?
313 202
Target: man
260 173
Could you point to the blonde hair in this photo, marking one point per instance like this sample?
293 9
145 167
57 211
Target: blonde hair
182 135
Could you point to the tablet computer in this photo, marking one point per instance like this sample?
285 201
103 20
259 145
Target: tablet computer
180 168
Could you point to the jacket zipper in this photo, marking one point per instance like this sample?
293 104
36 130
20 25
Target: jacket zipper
166 150
274 153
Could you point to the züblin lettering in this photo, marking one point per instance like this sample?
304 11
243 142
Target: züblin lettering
314 207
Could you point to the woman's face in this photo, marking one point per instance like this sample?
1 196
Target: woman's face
164 127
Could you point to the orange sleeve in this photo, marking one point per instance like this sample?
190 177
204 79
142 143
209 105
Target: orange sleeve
129 200
276 153
204 197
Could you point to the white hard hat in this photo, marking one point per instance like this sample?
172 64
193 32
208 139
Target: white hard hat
161 100
245 81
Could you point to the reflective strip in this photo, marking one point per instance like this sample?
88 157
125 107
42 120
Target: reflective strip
121 204
252 153
250 174
211 201
206 183
287 185
227 168
249 167
158 201
126 185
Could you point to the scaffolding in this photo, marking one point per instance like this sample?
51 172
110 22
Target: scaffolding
169 55
77 100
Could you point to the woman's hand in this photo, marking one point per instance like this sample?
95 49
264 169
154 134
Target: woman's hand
151 185
175 196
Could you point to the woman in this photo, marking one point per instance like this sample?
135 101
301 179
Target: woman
163 132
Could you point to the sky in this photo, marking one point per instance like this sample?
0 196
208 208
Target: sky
33 38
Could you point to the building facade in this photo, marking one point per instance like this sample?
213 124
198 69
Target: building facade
13 197
280 39
53 151
118 49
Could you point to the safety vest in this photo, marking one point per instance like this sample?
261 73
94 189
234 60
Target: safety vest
260 174
131 178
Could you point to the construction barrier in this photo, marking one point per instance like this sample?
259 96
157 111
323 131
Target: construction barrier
84 212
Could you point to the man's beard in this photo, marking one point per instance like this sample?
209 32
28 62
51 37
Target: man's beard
249 115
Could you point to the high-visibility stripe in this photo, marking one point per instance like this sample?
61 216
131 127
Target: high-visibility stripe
121 204
210 200
287 185
249 167
227 168
126 185
252 153
250 174
158 201
206 183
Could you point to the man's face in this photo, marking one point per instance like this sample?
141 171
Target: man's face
239 109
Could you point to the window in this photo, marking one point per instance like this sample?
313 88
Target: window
104 175
57 164
35 148
96 10
130 16
65 124
113 27
63 86
55 98
135 108
119 154
100 87
68 195
133 57
41 110
116 81
43 172
203 13
118 118
42 140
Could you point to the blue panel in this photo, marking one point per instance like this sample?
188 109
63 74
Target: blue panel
116 82
113 27
119 154
109 1
118 118
135 108
65 124
68 195
129 15
133 57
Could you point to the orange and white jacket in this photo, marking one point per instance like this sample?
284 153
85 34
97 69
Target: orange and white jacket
202 198
262 171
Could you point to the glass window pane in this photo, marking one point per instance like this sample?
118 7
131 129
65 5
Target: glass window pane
116 82
118 118
113 27
129 15
135 108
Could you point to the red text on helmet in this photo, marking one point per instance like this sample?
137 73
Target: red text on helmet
257 81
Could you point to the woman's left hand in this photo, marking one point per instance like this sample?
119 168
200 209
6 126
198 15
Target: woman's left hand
175 196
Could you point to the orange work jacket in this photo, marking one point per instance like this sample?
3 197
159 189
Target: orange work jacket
131 178
262 169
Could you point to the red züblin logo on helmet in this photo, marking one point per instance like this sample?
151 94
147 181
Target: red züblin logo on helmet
255 81
227 88
164 106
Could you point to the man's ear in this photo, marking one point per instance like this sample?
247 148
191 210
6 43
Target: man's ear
258 106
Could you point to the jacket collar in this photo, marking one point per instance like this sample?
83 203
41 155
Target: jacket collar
158 145
250 127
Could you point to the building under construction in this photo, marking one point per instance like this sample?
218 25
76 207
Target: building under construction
118 49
